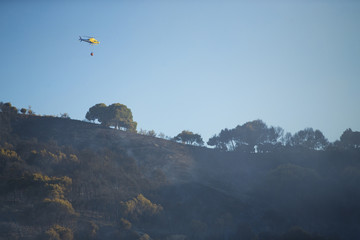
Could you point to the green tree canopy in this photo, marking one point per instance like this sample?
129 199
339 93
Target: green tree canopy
189 137
97 112
116 115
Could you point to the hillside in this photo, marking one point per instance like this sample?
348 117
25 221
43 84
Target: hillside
149 153
68 179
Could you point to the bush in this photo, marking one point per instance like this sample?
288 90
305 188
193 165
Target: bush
140 206
125 224
57 232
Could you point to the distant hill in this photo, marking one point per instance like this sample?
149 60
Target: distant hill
68 179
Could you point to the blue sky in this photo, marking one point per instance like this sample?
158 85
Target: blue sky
187 65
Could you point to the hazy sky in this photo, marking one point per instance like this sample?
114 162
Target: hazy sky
187 65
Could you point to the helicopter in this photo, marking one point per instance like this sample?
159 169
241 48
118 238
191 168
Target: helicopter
90 40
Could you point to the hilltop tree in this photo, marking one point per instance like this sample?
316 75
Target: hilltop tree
245 137
228 137
251 134
7 108
189 137
116 115
217 142
224 140
350 139
310 139
97 112
7 114
121 117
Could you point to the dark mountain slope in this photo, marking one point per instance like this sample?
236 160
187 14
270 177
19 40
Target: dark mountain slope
64 178
150 153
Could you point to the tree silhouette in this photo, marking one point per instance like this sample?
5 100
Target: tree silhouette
217 142
97 112
189 137
120 117
310 139
350 139
8 109
248 136
116 115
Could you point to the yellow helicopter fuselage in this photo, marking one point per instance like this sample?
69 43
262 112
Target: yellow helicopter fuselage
90 40
93 41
